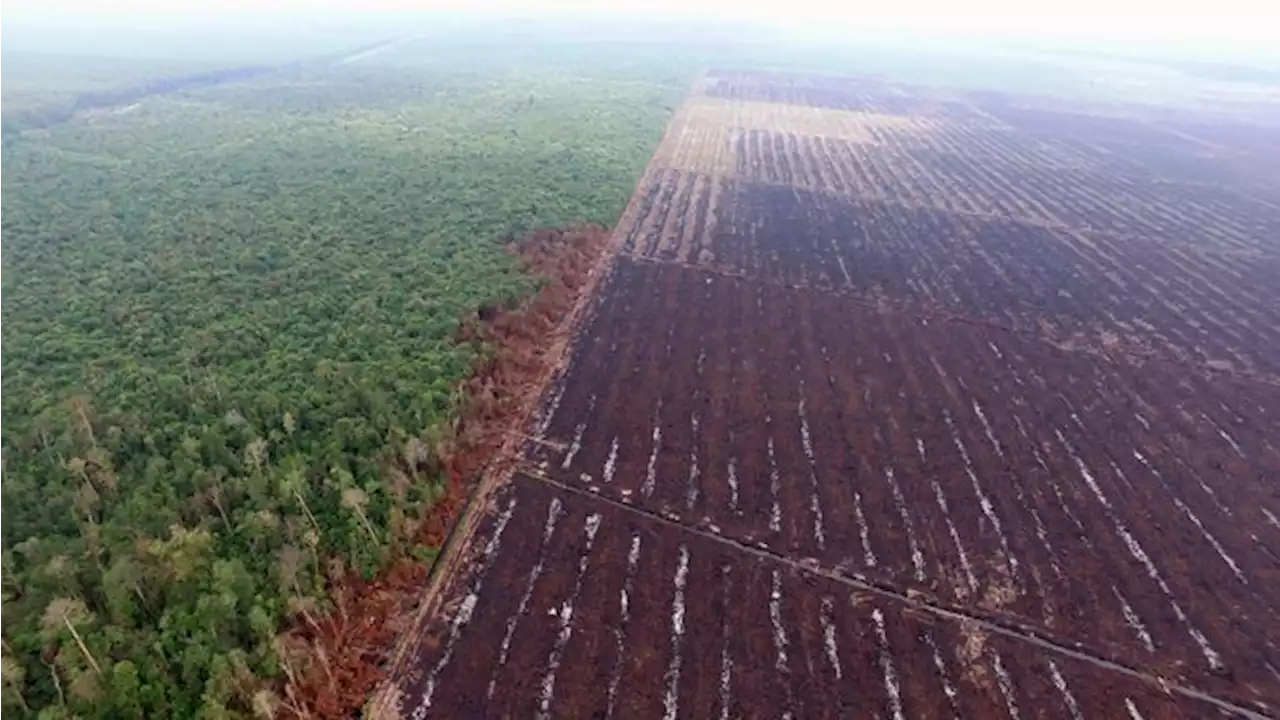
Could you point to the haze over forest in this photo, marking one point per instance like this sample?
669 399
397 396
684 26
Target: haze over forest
268 268
1231 31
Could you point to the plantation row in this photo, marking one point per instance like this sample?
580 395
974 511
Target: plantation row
1095 200
574 607
923 415
677 217
864 95
1136 297
965 169
986 469
994 147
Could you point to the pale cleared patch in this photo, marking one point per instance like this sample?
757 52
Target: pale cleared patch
628 586
829 636
947 688
886 666
868 557
815 506
670 702
900 502
798 119
775 486
1133 621
695 145
726 658
1067 698
463 617
554 511
691 489
611 462
566 621
1211 656
732 478
971 586
651 470
1000 591
969 653
1005 684
988 509
780 641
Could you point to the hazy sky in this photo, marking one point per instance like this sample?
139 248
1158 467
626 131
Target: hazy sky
1228 24
1187 18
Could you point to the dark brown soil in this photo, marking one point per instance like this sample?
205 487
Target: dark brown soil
728 621
874 385
973 422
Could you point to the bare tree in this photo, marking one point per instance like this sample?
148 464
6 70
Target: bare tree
355 499
68 613
14 679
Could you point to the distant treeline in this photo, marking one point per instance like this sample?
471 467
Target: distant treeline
89 101
61 110
1230 72
17 121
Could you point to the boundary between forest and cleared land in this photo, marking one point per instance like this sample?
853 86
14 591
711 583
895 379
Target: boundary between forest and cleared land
503 467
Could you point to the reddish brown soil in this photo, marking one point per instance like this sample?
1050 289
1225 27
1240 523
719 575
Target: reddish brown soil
502 388
338 661
962 424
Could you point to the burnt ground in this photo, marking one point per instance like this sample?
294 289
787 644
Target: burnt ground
664 619
850 434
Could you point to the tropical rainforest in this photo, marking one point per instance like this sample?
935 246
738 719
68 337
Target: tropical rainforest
229 330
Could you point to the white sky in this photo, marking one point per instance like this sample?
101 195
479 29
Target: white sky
1225 23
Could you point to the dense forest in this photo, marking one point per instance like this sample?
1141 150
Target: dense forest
229 329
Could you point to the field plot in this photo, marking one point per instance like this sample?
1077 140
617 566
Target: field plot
703 134
1086 198
676 215
889 406
837 93
983 468
1128 295
576 607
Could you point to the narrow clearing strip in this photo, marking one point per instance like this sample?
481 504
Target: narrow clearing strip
886 591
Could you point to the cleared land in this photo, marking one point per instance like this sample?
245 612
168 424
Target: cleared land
895 403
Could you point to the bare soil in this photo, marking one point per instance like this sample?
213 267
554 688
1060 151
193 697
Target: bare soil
977 420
